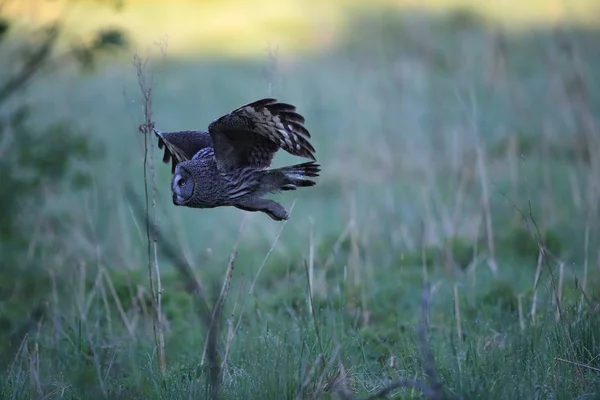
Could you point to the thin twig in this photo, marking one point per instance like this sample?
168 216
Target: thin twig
312 309
536 279
577 364
483 179
146 129
537 236
225 287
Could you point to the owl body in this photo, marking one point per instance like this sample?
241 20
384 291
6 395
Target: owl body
198 183
229 164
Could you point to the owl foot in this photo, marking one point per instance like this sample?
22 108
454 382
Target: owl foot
273 209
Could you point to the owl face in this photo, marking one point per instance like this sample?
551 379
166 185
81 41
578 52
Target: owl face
182 187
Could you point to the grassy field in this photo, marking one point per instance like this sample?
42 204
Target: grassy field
453 151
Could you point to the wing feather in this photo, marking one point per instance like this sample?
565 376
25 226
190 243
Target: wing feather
181 145
251 134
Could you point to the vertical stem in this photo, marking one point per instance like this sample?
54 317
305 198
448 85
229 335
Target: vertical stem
152 240
521 319
483 178
585 268
538 271
485 199
560 286
457 313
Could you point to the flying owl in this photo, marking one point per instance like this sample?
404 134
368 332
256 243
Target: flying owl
229 164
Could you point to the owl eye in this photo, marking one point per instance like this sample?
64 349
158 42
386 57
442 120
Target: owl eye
181 182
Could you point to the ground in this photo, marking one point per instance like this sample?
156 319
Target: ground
456 150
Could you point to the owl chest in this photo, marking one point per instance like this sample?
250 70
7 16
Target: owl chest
211 188
214 188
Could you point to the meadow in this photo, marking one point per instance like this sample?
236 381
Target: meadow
459 149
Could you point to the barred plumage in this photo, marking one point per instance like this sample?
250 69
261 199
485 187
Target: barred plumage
227 166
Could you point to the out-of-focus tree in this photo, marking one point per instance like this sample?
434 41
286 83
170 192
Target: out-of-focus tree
35 161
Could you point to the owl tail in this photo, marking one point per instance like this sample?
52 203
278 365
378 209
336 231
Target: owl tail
290 178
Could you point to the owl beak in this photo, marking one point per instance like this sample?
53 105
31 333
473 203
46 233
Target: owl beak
177 199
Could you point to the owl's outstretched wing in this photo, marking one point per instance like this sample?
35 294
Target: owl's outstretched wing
252 134
182 145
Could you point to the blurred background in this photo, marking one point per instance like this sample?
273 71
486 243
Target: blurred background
443 127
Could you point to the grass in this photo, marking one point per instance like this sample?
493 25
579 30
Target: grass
446 145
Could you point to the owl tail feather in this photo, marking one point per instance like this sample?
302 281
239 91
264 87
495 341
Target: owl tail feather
290 178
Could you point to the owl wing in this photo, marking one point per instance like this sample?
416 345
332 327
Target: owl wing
253 133
182 145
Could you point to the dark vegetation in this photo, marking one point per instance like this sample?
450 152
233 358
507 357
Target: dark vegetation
37 163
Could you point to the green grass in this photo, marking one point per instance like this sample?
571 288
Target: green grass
398 110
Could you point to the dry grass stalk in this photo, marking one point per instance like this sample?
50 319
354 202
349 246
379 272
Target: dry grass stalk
312 308
337 246
585 269
512 157
538 271
309 377
311 264
120 309
354 261
423 247
230 331
561 274
521 317
156 292
534 230
578 364
486 209
458 213
575 191
457 313
483 178
224 291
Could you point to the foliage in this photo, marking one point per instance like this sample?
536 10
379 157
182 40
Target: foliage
38 164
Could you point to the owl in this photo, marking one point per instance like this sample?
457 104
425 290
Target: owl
228 165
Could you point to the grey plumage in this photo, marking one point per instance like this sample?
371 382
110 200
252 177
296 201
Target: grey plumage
182 145
228 165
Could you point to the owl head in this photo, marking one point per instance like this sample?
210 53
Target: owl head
182 186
